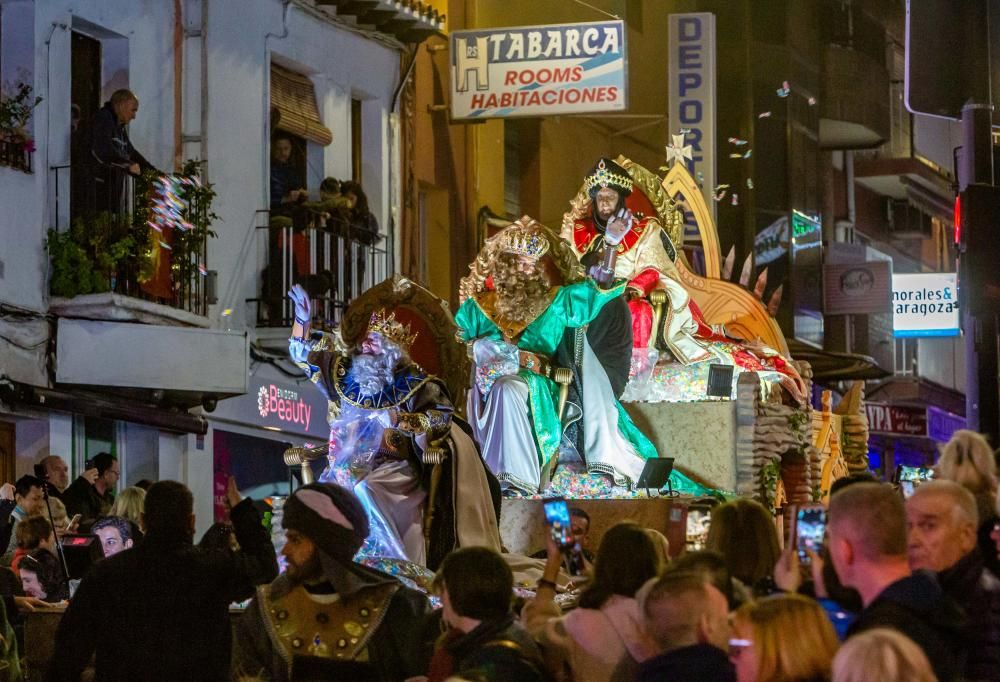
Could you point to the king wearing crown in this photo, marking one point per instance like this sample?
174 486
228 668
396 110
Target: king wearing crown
526 289
391 424
610 241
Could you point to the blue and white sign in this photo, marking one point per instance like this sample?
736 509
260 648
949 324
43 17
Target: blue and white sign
539 70
691 97
925 304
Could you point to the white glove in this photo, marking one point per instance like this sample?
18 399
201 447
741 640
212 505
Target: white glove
618 227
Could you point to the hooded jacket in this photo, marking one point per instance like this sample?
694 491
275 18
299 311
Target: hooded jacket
917 607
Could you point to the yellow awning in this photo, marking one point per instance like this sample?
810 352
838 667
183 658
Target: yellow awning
292 94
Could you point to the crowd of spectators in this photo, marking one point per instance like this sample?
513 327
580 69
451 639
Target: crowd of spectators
901 589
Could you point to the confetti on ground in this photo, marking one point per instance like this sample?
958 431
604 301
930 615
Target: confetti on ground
749 183
737 141
748 154
764 114
736 199
812 101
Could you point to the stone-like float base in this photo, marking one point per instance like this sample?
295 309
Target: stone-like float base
701 437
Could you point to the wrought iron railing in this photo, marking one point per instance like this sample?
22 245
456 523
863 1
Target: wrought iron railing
118 245
330 258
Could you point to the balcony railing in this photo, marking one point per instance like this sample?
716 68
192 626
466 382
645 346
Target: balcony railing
329 257
14 154
114 243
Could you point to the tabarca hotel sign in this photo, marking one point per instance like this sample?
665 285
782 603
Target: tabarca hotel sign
538 70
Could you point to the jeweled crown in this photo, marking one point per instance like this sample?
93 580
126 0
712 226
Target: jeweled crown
391 329
526 243
602 176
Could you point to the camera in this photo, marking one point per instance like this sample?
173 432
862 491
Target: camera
40 473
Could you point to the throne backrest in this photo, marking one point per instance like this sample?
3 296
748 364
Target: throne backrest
435 349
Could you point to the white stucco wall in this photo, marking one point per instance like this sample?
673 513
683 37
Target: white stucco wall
242 38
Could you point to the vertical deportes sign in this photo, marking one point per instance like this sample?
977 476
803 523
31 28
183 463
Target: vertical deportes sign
691 96
539 70
925 304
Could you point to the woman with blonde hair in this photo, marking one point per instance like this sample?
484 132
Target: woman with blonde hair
129 504
967 459
881 654
783 638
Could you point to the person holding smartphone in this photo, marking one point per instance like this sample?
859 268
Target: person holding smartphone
92 495
606 635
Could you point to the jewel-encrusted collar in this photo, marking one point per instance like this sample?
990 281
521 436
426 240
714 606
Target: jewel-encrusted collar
510 328
405 383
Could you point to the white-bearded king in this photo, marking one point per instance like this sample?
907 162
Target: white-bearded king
394 423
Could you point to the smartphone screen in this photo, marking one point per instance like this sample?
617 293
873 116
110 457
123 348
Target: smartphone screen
557 519
810 527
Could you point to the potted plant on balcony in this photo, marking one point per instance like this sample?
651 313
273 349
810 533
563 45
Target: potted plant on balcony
16 142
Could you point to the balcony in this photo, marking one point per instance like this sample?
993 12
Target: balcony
131 290
409 21
848 121
854 60
331 258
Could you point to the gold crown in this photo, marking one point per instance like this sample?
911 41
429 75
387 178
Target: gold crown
526 243
389 328
602 177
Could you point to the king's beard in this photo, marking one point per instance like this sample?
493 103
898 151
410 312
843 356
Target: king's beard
520 295
373 373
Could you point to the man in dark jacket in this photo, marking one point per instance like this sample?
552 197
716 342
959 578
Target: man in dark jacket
941 520
327 617
160 611
92 496
868 548
112 151
484 641
688 618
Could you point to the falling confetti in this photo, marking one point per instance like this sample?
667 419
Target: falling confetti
736 156
736 199
719 196
700 176
764 114
748 154
784 90
227 312
737 141
202 269
166 246
749 183
812 101
685 131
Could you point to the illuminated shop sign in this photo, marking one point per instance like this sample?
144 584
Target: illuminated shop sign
293 408
539 70
691 98
925 304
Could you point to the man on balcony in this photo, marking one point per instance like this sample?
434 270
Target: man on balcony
113 152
